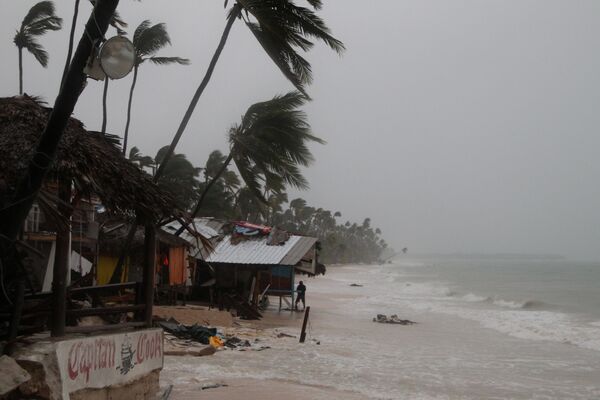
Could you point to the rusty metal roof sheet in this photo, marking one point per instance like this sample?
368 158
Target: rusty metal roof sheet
206 227
256 251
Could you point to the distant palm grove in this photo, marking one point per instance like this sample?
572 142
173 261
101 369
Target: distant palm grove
268 147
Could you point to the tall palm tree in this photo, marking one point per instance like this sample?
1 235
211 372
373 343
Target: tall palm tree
147 40
117 23
180 179
282 28
269 145
39 20
104 104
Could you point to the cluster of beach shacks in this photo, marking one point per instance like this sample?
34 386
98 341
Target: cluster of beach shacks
104 240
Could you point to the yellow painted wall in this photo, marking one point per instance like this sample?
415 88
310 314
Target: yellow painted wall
106 267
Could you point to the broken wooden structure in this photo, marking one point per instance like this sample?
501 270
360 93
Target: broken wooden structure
89 166
249 266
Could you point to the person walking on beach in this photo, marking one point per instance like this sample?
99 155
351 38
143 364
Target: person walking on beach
301 290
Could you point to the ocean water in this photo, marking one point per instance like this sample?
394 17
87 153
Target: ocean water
537 299
486 329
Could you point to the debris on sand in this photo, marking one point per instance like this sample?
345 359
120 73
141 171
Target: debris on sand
214 386
355 285
393 319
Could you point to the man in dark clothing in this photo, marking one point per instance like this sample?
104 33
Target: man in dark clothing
301 290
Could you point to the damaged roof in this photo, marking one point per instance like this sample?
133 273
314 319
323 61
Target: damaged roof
256 251
208 228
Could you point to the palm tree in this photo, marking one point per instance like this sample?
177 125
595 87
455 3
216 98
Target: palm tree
180 179
269 145
147 40
136 156
282 28
39 20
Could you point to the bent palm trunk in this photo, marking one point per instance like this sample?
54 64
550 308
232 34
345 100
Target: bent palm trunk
71 39
186 118
126 135
206 189
104 95
211 67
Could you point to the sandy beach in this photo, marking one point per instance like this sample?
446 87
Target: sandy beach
347 355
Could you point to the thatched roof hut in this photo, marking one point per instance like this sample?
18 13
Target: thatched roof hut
92 160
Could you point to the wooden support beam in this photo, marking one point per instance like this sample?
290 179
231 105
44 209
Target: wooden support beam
103 328
149 271
103 288
62 259
303 333
18 310
83 312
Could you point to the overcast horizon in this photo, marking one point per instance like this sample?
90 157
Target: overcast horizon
457 127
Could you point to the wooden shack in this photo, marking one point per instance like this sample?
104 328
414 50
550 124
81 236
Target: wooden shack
248 268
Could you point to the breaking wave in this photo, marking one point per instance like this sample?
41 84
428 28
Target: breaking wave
511 304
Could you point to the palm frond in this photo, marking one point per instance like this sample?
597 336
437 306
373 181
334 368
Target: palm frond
39 20
43 25
37 50
40 10
271 144
149 39
282 28
169 60
316 4
118 23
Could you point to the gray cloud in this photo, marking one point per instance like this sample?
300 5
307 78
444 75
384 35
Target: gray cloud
456 126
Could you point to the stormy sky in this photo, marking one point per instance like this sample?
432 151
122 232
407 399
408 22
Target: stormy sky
457 126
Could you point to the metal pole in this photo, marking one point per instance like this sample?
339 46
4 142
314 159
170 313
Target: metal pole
303 333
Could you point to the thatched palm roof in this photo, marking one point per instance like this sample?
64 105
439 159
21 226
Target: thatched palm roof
94 161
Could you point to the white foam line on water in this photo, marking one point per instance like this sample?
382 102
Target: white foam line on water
521 319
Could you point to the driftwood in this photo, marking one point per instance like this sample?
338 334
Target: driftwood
393 319
206 351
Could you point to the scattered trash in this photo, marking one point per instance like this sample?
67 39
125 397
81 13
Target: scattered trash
355 285
282 334
214 386
196 332
206 351
393 319
215 342
236 343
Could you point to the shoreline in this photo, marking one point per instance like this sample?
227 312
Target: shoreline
442 356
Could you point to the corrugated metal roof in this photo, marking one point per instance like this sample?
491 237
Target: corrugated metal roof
202 227
256 251
296 253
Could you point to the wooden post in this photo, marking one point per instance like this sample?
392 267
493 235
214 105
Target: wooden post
62 259
18 310
303 333
149 271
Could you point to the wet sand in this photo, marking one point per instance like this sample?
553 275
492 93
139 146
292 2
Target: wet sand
274 322
253 389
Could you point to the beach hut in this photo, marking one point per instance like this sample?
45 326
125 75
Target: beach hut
89 167
256 261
